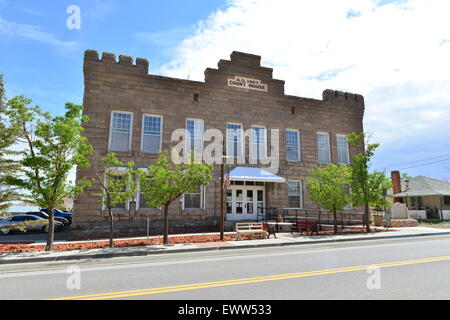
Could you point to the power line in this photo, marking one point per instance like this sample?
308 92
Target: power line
417 161
425 164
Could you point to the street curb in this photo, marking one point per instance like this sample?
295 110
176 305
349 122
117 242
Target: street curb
142 253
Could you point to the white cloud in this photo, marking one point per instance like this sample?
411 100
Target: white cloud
10 29
395 54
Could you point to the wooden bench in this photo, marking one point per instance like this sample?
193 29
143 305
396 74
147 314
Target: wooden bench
251 228
306 226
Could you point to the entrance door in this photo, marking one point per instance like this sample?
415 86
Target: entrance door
244 202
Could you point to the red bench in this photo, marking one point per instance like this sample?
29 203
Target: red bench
306 226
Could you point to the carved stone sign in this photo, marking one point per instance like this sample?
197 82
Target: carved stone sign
247 83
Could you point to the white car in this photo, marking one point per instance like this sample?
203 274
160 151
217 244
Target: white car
25 222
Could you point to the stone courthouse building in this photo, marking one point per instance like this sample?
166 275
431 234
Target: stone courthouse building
133 114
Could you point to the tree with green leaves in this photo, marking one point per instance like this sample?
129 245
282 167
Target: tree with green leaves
166 181
8 166
117 186
52 147
405 176
329 187
367 188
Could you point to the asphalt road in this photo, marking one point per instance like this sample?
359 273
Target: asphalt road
413 268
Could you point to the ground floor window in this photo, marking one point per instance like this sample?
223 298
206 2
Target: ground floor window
193 199
295 194
447 201
143 203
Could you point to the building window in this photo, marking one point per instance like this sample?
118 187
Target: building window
120 132
446 200
120 206
293 145
259 143
143 203
151 133
234 140
194 137
295 194
342 149
193 199
323 147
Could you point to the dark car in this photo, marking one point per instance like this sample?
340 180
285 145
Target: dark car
60 213
45 216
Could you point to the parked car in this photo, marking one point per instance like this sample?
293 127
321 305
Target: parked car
60 213
29 222
43 215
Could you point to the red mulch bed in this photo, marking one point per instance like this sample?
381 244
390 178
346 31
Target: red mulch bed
17 248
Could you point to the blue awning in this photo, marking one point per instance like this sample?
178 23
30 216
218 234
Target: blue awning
254 174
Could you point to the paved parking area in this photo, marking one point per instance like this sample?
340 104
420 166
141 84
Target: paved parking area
37 237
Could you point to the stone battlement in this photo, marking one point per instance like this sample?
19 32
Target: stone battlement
334 95
141 65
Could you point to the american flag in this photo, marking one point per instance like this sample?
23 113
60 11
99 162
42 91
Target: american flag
227 179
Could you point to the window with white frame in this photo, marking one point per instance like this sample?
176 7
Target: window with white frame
151 133
323 147
195 130
342 149
295 194
293 145
120 206
259 143
120 131
143 203
234 140
193 199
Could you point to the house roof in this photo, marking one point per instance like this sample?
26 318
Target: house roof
423 186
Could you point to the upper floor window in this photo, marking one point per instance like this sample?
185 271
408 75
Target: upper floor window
151 133
293 145
234 140
323 147
259 143
120 131
342 149
195 130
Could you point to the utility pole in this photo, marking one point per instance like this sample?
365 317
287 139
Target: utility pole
385 209
222 215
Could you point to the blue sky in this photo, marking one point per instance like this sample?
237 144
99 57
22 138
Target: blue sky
395 53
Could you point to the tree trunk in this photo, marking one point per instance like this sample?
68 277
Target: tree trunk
335 222
367 217
51 230
111 228
166 224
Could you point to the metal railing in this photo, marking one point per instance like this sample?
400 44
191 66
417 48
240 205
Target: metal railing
322 217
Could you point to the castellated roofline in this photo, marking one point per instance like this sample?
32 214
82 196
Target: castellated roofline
240 64
335 95
141 64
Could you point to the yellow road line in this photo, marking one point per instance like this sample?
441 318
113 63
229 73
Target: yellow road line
196 286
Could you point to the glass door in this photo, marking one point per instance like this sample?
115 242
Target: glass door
244 202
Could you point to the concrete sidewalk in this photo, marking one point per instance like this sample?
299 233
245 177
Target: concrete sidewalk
283 239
